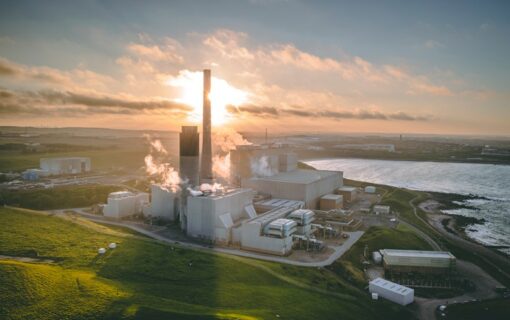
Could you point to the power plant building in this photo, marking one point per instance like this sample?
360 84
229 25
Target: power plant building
211 217
303 185
163 203
270 232
189 158
71 165
122 204
418 261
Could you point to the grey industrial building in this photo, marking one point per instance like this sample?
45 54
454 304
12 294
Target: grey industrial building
437 262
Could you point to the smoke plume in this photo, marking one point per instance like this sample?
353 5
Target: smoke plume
161 172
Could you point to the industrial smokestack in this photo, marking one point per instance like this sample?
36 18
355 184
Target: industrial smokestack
206 174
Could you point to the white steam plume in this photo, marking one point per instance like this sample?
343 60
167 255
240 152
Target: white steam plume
224 140
260 167
162 172
205 187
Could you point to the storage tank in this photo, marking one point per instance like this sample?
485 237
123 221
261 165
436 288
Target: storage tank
377 257
370 189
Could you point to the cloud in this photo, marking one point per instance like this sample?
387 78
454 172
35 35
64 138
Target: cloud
156 53
44 75
51 102
432 44
297 111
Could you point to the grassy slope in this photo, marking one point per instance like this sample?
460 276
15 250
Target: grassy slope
57 198
143 279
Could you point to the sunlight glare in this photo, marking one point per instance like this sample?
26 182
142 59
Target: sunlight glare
222 94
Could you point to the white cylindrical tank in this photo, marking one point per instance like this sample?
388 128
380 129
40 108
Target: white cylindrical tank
112 245
370 189
101 251
377 257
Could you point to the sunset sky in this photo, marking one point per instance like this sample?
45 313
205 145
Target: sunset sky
438 67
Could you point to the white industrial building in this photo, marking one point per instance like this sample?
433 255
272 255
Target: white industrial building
380 209
58 166
272 203
304 219
211 217
124 203
391 291
268 233
163 203
303 185
418 261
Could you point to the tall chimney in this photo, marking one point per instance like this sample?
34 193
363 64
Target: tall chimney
206 174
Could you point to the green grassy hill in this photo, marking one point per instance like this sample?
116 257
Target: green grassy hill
144 279
61 197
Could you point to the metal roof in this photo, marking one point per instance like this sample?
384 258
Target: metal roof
332 197
299 176
417 253
392 286
271 215
347 188
280 202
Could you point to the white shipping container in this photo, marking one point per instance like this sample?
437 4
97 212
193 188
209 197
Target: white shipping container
391 291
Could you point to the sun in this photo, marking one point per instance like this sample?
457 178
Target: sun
222 94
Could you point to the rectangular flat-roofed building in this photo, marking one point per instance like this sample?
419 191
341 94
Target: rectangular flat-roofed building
391 291
418 261
304 185
348 193
69 165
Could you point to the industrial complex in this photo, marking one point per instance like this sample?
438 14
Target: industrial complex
270 206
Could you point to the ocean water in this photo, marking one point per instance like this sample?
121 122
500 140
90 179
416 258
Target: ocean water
489 182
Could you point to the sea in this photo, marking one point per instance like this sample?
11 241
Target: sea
490 184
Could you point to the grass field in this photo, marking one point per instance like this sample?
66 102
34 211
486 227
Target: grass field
143 279
57 198
102 160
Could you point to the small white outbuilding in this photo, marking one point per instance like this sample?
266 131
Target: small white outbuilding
391 291
101 251
380 209
112 245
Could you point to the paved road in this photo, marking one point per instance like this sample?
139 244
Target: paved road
338 250
484 283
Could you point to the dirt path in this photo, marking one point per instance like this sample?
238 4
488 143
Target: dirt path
27 259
